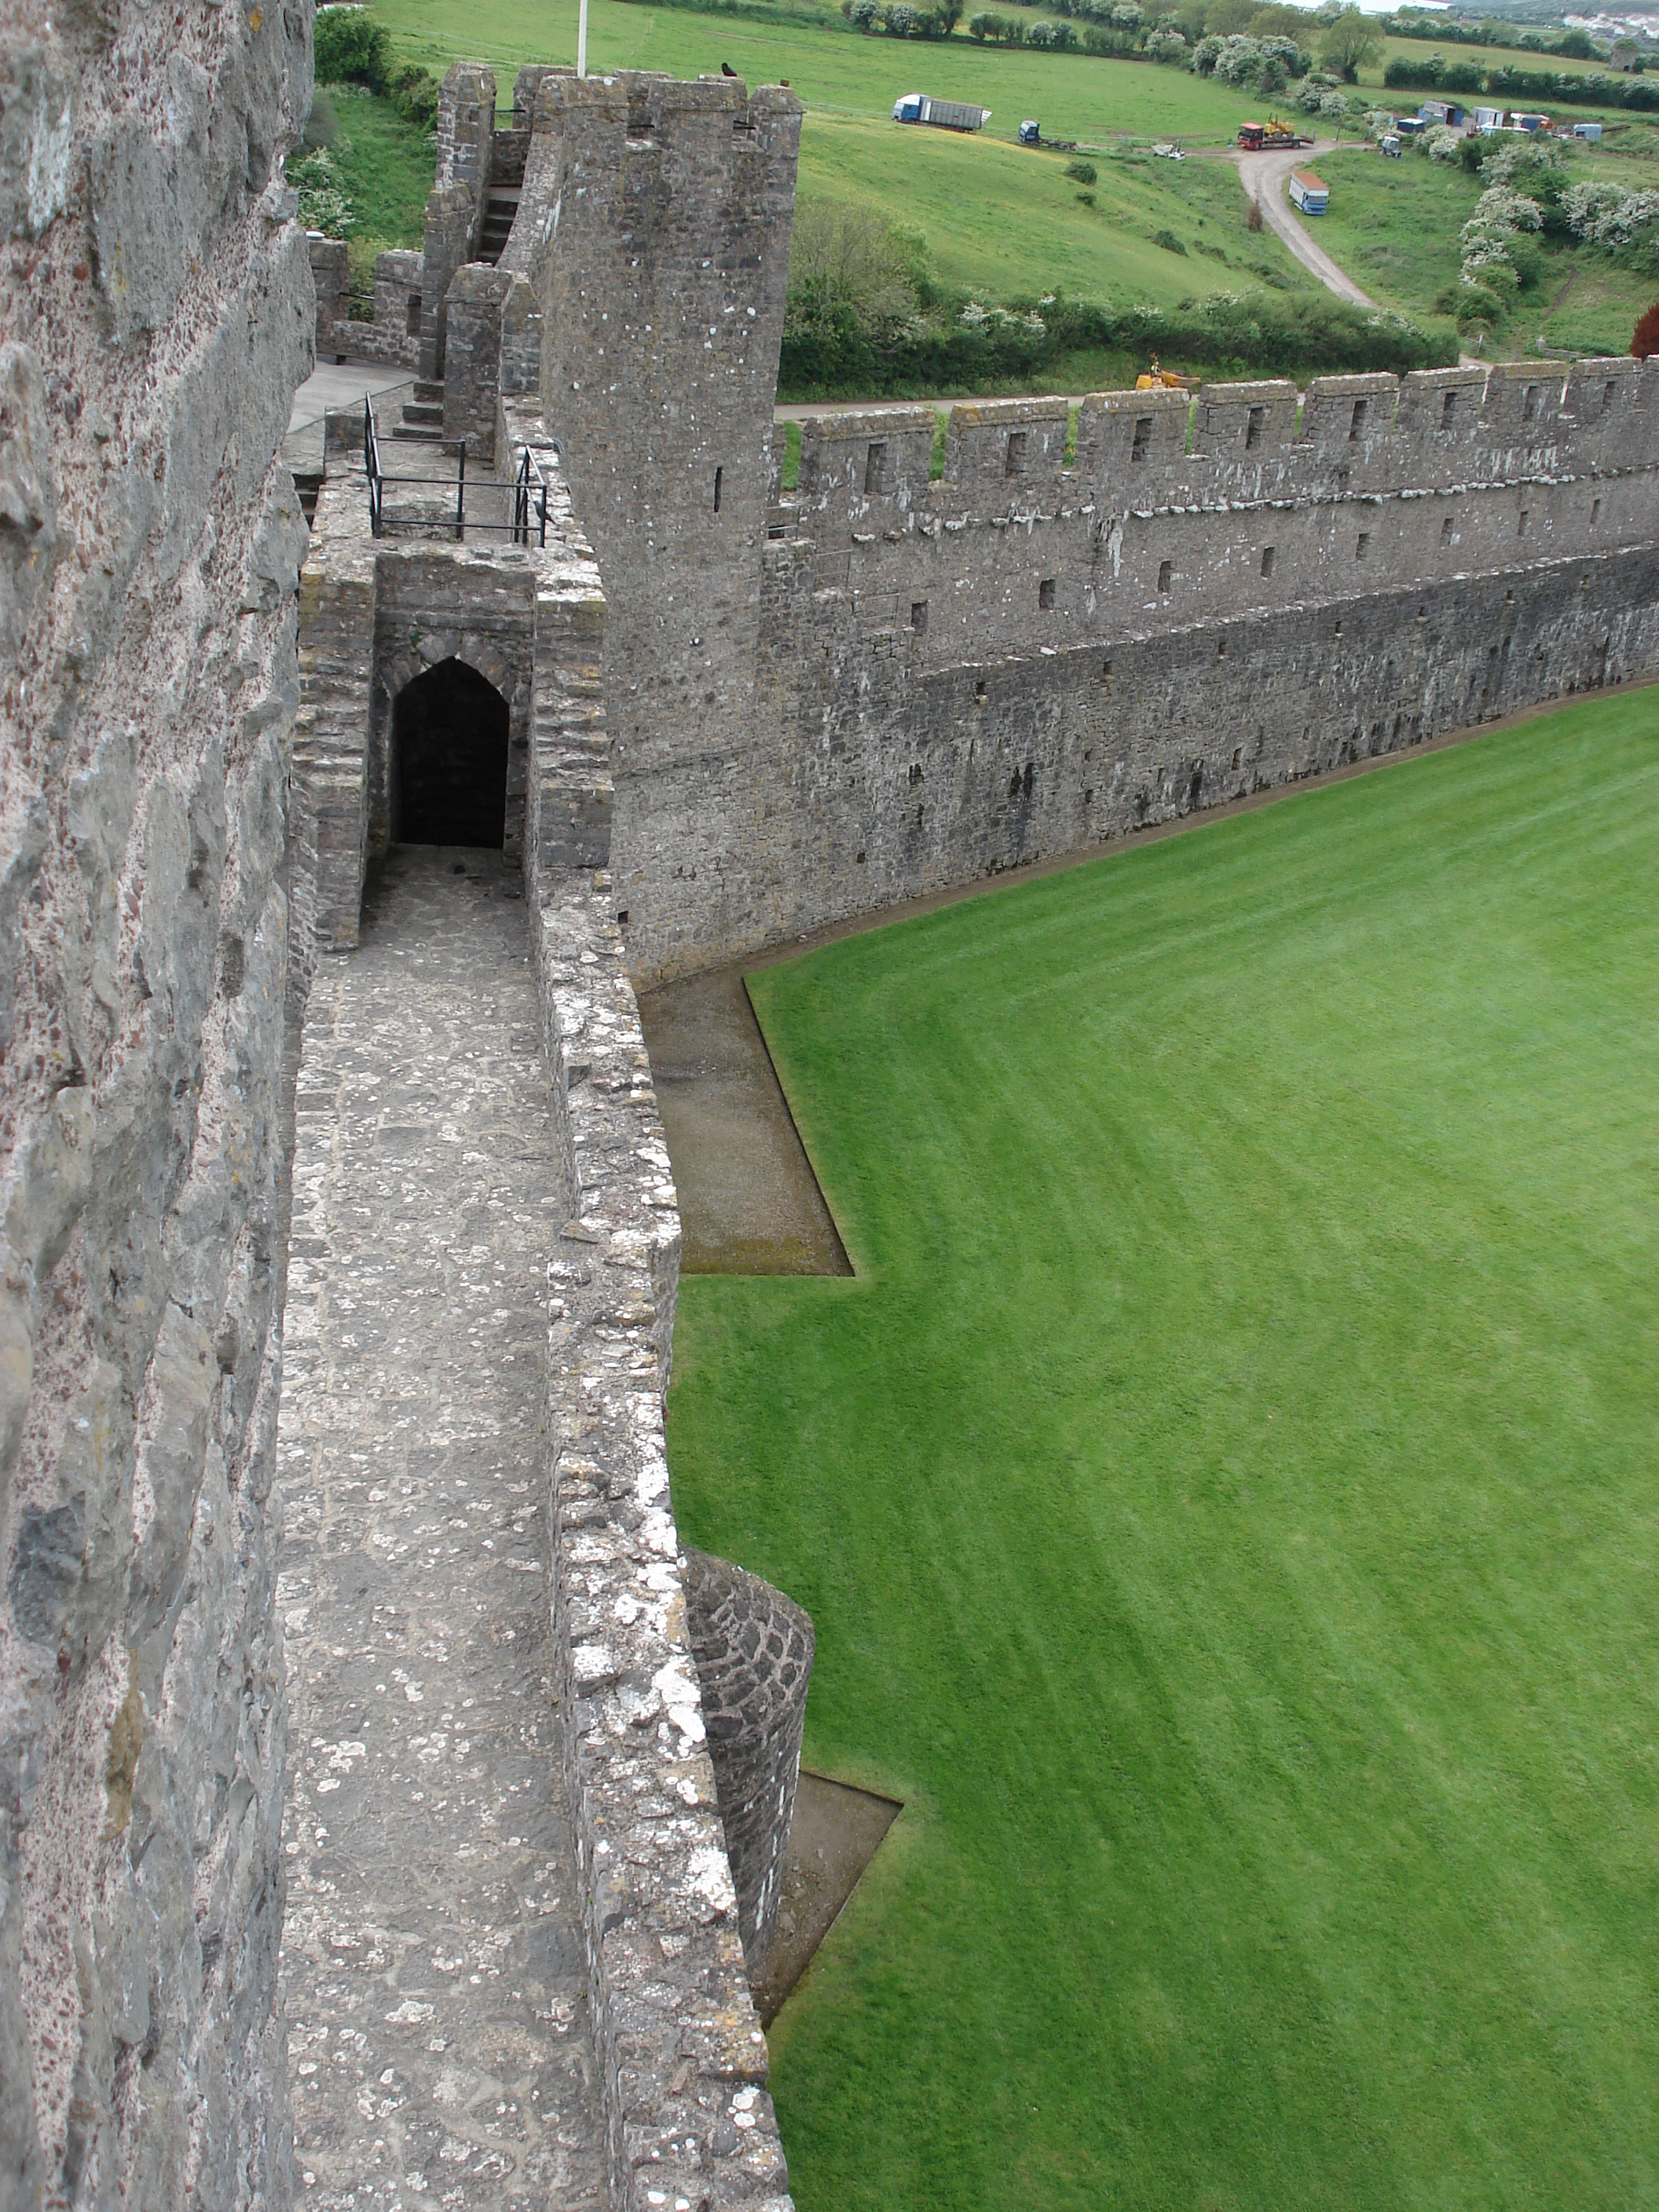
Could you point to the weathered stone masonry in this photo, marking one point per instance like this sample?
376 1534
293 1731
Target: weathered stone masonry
1029 657
680 2053
156 309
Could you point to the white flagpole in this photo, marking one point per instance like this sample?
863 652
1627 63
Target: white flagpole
581 39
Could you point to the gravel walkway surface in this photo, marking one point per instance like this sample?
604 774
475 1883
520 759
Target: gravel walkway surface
440 2052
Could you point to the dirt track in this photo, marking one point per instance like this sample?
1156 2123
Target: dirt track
1265 177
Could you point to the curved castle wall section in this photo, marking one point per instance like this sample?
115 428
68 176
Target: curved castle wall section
753 1647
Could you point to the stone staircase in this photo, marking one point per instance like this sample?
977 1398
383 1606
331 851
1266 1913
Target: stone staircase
423 415
499 214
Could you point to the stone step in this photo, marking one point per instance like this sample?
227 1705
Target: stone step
428 394
421 436
424 415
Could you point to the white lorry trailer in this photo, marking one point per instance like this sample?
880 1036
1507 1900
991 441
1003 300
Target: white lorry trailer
942 114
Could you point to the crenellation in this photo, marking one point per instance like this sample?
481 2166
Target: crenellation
1006 454
1247 425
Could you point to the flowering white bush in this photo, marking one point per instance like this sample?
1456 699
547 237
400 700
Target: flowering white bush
323 206
977 316
1500 214
1440 143
1606 214
1166 45
1239 60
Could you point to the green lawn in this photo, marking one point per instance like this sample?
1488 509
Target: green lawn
1483 58
385 168
1228 1496
1393 226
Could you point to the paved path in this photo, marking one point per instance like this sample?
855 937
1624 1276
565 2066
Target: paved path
1264 177
333 385
438 2047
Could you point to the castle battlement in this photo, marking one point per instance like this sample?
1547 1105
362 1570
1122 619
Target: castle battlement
1174 510
789 679
1436 431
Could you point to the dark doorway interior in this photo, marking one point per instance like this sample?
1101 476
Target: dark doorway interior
449 751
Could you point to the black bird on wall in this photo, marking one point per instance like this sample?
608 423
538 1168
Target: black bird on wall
726 70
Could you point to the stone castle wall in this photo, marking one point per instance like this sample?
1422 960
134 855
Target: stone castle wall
661 280
1040 652
156 314
680 2045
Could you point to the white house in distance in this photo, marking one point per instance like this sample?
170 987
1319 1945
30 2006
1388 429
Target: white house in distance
1308 191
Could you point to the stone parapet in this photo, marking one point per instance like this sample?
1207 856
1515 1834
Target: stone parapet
473 359
331 274
684 2057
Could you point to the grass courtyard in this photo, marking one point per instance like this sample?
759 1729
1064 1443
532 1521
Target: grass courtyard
1229 1502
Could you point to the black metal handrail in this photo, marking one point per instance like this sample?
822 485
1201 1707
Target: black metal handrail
529 479
529 491
372 470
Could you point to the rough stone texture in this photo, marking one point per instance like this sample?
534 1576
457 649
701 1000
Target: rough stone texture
681 2050
376 613
753 1647
472 359
330 273
435 1982
1025 659
455 205
156 307
394 336
662 279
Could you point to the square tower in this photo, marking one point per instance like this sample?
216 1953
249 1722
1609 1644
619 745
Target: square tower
662 279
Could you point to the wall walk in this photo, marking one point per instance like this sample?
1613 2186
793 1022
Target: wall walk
440 2048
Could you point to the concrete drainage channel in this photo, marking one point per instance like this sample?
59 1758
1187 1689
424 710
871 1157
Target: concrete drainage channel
750 1204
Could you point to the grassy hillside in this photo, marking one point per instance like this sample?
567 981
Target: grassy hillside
1007 221
1394 226
1228 1498
381 164
994 215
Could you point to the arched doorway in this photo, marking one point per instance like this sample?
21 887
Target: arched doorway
449 736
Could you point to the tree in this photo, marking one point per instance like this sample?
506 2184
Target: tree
949 14
349 49
1351 40
1646 340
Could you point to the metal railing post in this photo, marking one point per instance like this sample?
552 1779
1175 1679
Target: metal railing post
460 495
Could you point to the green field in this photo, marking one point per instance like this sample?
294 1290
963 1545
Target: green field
385 169
1229 1502
1007 221
993 215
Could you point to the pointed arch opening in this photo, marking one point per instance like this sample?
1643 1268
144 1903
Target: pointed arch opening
449 749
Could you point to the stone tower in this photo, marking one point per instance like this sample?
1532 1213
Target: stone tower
662 292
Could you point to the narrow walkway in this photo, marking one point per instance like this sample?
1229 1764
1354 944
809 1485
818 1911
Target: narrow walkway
438 2049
